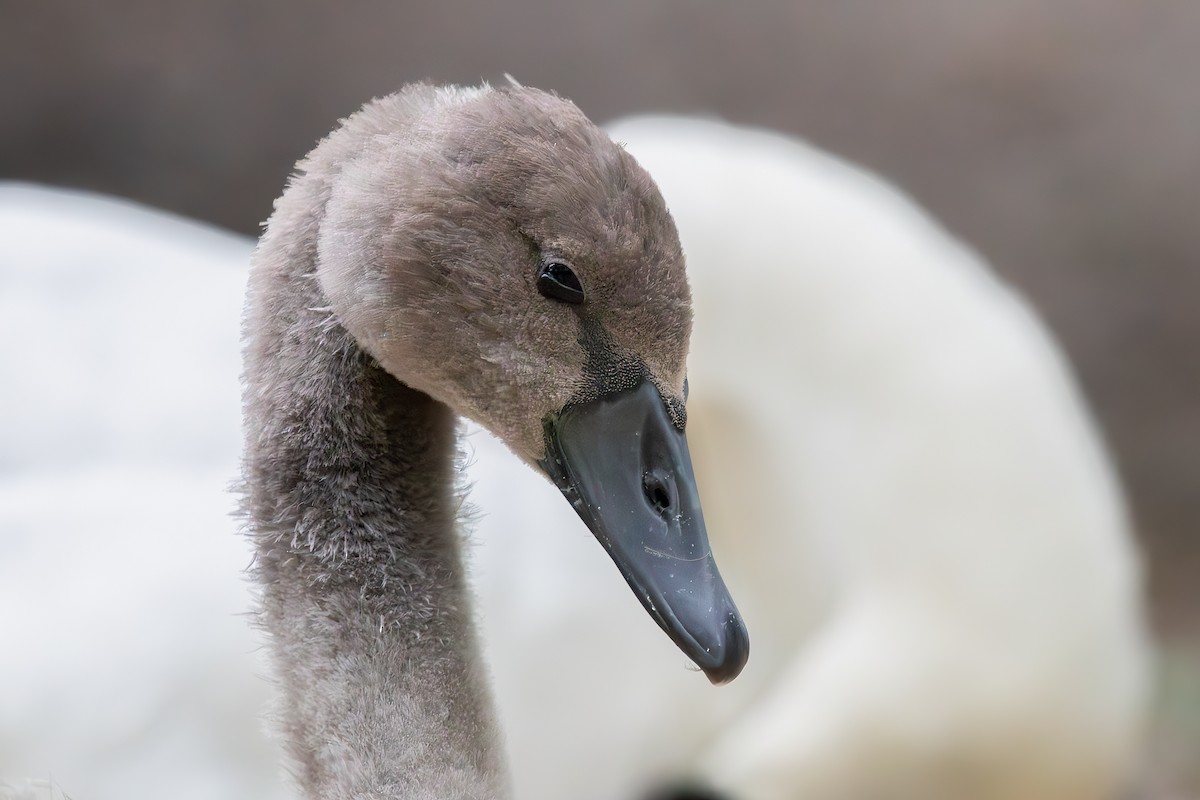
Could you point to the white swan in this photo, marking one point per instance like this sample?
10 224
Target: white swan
517 615
130 670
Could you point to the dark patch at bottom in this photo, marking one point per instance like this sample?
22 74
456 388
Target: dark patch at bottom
686 791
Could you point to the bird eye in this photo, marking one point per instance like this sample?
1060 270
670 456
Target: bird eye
558 282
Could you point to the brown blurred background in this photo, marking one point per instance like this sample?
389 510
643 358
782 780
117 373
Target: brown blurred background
1061 139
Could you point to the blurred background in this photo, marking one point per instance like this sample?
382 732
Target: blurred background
1061 140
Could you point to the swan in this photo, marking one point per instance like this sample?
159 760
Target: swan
482 251
129 668
913 507
569 650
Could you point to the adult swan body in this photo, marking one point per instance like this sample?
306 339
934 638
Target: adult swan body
488 252
135 672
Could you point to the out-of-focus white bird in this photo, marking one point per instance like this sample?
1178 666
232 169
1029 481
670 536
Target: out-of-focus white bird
130 669
907 498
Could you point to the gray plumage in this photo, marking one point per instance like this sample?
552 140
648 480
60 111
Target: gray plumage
394 286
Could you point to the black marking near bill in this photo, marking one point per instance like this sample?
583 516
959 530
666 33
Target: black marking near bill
609 370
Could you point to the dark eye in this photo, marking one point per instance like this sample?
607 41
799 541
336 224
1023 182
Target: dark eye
556 281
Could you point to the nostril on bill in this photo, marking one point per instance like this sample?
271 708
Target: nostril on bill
660 491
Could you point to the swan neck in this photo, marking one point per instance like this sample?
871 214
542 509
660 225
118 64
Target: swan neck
350 500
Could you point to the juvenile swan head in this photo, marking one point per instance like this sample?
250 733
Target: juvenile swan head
501 254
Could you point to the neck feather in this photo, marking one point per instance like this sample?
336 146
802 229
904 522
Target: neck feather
349 496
